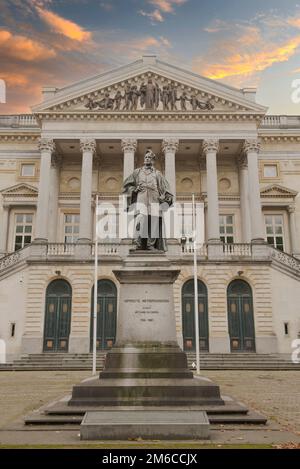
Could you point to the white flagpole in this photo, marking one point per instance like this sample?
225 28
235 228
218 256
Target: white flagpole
196 291
95 294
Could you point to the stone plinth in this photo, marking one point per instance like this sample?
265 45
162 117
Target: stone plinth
167 425
146 367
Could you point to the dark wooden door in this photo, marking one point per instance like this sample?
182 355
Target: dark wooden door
240 317
188 316
106 314
57 316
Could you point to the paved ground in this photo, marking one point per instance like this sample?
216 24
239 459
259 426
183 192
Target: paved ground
274 393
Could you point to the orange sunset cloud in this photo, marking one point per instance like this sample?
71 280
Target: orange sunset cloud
63 26
23 48
249 63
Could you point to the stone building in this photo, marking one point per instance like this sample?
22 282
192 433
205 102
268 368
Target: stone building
212 140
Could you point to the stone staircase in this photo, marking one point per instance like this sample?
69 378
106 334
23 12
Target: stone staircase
83 361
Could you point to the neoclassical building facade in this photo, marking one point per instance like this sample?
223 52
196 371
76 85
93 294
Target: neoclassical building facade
213 141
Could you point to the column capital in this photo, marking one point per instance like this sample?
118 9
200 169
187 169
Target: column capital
210 145
46 144
128 144
291 208
88 144
170 145
251 145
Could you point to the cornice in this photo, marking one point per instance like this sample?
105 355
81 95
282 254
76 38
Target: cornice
151 116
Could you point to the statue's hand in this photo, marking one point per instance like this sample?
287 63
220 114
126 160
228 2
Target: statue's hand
140 188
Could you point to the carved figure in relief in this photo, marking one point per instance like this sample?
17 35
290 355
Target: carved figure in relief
90 104
149 95
165 97
127 98
183 99
134 97
173 97
194 102
118 99
107 102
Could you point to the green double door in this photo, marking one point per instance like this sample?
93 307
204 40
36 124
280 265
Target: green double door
188 316
240 317
106 315
57 316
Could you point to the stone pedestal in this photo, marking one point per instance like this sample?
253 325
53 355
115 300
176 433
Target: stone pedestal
146 366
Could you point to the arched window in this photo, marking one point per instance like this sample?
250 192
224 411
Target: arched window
106 314
57 316
240 317
188 316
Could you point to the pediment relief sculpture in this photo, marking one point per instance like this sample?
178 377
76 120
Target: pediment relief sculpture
149 95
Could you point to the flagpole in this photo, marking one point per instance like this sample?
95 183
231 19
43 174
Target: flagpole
196 291
95 294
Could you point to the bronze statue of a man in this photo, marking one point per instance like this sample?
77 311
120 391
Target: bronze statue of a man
149 194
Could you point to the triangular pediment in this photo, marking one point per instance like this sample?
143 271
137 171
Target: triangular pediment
20 190
275 190
148 85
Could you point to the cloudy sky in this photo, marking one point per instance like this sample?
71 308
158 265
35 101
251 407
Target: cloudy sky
240 42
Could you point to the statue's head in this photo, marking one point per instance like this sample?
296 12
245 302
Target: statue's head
149 158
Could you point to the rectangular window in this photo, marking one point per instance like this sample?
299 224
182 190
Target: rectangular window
286 328
12 329
71 228
27 170
270 171
274 231
23 230
226 229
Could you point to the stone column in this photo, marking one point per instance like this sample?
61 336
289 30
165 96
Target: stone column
47 147
295 249
169 147
244 198
251 148
210 149
4 230
129 147
88 147
53 200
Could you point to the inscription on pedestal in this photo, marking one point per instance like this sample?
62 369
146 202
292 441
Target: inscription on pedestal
146 309
148 313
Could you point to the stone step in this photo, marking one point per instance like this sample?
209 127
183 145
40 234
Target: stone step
83 361
214 418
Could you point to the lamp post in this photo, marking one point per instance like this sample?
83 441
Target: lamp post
196 290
